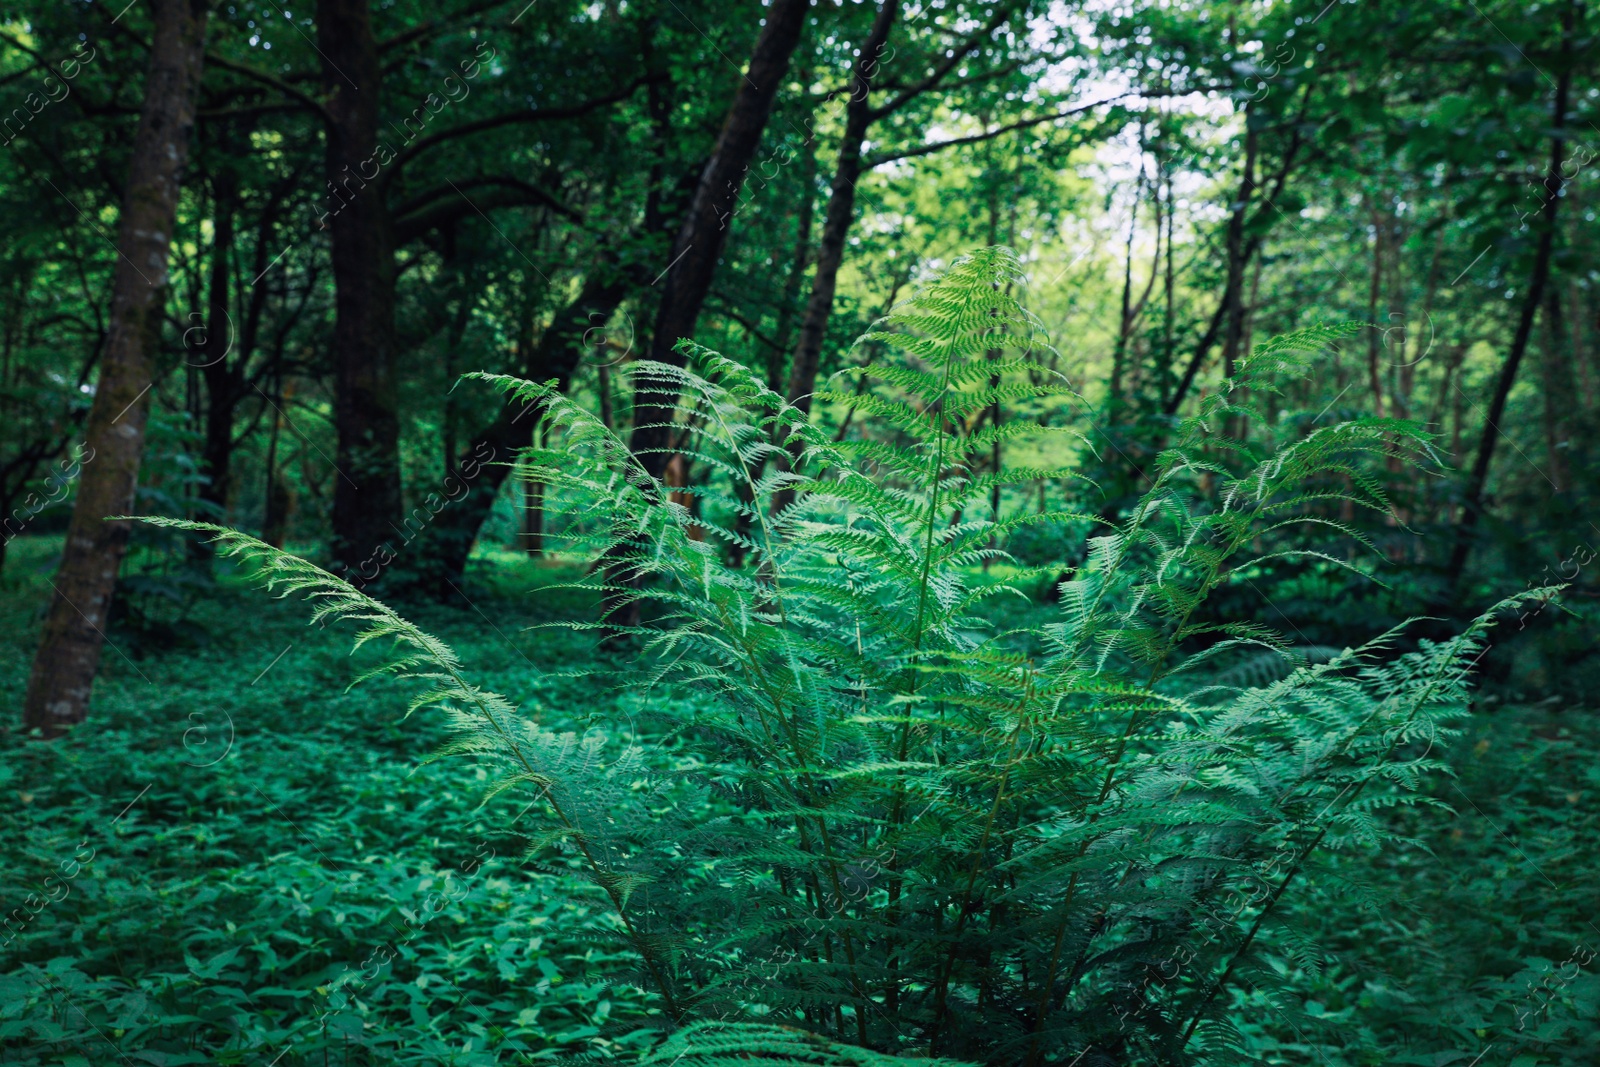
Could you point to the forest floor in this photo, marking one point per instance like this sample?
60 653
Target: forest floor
238 861
259 860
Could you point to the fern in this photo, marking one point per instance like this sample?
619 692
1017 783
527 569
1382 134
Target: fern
895 825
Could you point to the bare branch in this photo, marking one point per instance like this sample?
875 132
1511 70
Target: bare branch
976 138
305 100
977 37
433 26
532 114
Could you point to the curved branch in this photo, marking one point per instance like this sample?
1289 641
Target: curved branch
532 114
532 194
1038 120
428 28
452 204
955 57
305 100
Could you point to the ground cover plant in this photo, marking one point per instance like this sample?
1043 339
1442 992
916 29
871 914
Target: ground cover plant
749 626
862 811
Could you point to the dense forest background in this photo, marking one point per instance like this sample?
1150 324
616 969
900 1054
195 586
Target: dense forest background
252 247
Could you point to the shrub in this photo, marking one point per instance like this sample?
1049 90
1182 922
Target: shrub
892 824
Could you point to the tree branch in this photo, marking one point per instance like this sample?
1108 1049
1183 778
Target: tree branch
928 149
956 56
722 307
533 114
433 26
532 193
454 205
305 100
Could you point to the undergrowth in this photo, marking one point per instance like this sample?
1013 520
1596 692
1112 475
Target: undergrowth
867 818
238 862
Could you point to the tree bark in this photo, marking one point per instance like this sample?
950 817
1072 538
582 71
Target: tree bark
783 337
366 497
1164 378
69 653
1558 388
1238 255
700 241
836 222
806 212
1251 246
480 465
222 380
532 518
1477 481
279 499
1119 352
840 213
1375 333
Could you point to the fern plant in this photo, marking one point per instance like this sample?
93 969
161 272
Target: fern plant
877 820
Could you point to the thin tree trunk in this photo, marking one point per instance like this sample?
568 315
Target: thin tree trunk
1436 410
1237 254
602 373
805 216
837 221
1375 334
228 346
1247 340
1167 349
453 338
1580 355
700 241
1125 319
1477 481
221 381
1457 419
1251 247
1202 348
366 497
841 211
996 412
784 336
533 518
64 669
275 523
1557 368
481 465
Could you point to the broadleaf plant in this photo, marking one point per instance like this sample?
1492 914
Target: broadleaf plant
897 811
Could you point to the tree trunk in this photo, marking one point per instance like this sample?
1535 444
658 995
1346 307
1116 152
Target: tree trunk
533 518
480 468
1119 352
699 243
782 338
279 500
836 222
1558 384
366 497
1375 332
805 213
1472 502
1164 389
1238 255
840 213
1251 247
64 669
222 382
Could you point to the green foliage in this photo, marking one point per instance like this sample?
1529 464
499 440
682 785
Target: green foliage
712 1044
264 873
866 806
